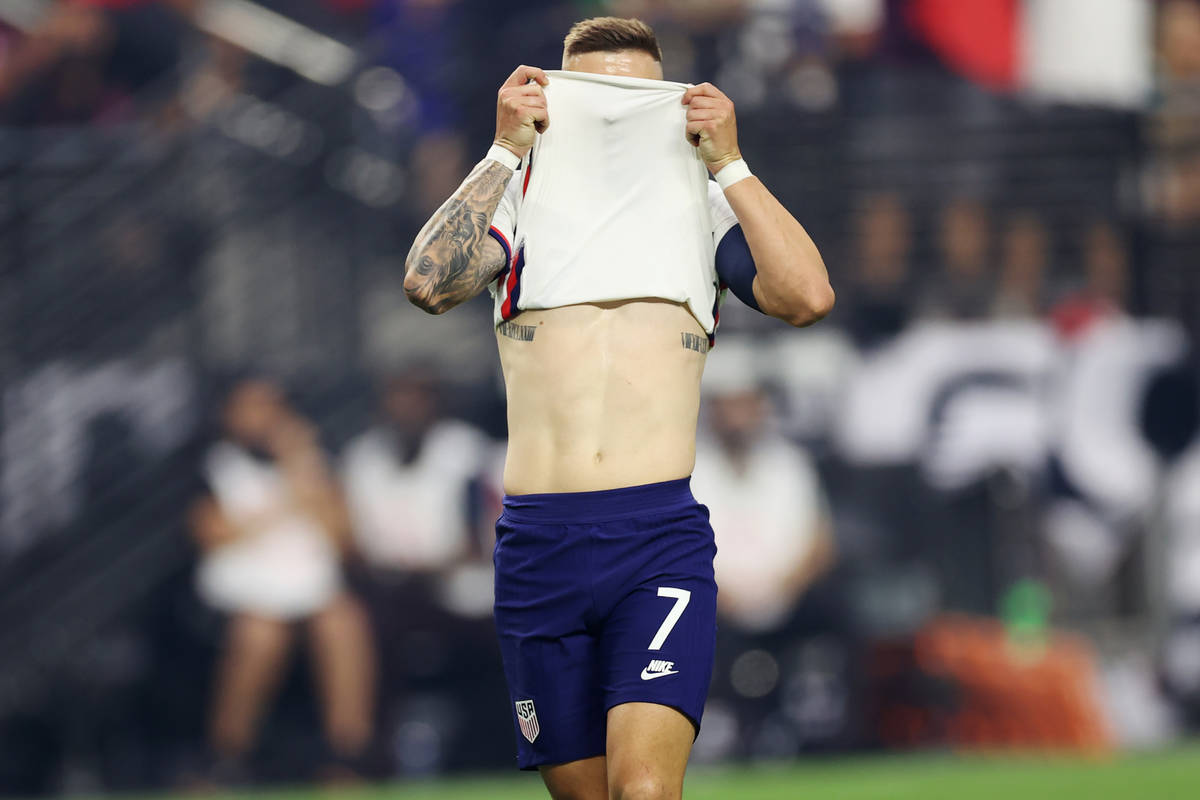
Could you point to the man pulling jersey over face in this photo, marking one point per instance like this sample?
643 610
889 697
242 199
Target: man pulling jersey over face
644 227
605 270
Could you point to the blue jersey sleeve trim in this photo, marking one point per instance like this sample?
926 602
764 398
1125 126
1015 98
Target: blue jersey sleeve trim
503 240
735 266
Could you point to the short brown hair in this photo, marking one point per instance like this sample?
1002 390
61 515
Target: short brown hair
611 35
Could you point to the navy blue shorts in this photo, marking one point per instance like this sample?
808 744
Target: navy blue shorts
602 598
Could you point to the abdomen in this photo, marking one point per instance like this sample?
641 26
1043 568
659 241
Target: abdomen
602 396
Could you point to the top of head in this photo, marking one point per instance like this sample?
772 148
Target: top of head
613 46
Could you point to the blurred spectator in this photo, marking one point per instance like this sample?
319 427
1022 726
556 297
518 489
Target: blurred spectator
421 40
1172 286
1179 35
413 481
880 291
772 526
439 161
962 288
855 24
1105 282
1024 261
1106 266
1088 53
768 508
1178 130
84 49
423 497
271 526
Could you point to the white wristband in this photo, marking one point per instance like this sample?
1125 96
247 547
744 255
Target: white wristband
505 156
733 173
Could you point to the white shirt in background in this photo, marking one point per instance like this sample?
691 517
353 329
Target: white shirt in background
766 519
414 516
286 566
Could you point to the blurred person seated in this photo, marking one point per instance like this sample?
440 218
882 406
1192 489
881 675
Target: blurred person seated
774 544
416 484
271 526
764 496
423 493
881 289
962 288
68 67
1024 260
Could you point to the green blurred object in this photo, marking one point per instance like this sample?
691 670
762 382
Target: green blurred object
1164 775
1026 612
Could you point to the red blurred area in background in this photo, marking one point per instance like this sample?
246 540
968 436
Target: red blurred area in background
978 38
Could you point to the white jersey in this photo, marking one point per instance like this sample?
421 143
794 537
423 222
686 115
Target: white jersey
612 203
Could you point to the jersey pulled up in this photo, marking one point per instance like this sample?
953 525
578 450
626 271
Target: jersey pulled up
612 203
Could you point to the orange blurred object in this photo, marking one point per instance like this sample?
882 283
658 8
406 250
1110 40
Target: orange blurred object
1039 695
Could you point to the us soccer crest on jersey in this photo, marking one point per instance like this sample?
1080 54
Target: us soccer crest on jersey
527 719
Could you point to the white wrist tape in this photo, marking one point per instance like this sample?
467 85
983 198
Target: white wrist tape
733 173
506 157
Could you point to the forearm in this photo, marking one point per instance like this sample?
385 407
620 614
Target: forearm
446 265
211 528
327 506
314 491
792 282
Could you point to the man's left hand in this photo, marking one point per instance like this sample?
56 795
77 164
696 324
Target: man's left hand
712 126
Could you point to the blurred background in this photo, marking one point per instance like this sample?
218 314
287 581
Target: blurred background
246 490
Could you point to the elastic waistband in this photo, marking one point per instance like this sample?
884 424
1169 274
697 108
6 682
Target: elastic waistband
608 504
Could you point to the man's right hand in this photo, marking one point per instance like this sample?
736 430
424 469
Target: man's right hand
521 110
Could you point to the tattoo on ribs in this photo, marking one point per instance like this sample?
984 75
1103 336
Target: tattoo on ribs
449 248
522 333
692 341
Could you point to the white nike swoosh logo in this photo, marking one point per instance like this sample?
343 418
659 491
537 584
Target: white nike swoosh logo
649 676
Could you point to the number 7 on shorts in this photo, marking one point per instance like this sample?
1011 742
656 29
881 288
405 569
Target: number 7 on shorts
682 596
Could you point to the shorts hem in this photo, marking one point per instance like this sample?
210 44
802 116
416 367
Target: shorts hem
537 763
695 720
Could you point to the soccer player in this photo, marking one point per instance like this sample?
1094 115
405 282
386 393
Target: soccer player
605 599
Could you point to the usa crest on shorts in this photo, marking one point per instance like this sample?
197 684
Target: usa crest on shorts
527 719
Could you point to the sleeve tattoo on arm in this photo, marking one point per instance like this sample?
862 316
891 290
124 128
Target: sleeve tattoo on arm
447 258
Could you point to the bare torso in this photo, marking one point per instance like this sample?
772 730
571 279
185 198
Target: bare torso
603 396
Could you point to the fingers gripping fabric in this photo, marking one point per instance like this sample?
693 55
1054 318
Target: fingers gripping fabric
615 202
